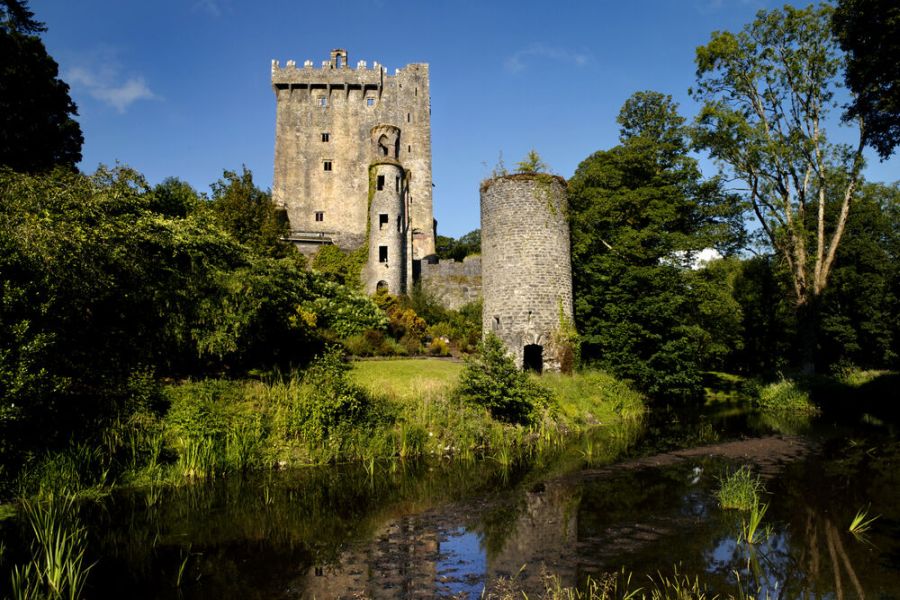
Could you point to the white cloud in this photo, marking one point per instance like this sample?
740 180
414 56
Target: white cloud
518 61
214 8
102 80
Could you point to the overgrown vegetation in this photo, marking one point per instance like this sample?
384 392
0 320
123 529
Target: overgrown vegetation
739 489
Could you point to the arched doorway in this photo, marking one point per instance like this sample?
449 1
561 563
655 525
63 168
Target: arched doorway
533 358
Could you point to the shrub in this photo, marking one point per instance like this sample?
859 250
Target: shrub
328 398
492 380
438 347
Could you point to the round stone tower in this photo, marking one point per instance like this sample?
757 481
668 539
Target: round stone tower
388 211
526 267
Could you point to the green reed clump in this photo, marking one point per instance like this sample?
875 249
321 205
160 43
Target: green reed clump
739 489
861 524
750 527
57 569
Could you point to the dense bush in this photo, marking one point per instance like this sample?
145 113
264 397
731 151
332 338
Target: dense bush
105 282
492 380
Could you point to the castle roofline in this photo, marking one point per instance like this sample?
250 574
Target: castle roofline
335 72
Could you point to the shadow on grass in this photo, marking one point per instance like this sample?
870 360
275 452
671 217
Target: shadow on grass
878 397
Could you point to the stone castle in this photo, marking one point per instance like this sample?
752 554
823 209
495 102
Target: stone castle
353 162
353 169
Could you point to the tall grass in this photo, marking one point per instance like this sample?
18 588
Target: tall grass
739 489
57 569
785 396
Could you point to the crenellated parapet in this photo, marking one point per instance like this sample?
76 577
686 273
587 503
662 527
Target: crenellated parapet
337 72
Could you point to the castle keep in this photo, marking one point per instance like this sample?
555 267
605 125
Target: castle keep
353 162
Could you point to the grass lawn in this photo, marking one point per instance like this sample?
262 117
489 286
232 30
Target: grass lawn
406 379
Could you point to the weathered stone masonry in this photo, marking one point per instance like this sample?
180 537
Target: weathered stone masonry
526 265
333 125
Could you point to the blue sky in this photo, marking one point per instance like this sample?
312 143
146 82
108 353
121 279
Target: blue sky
181 87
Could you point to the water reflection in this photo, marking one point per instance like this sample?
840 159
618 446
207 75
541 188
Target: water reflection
448 529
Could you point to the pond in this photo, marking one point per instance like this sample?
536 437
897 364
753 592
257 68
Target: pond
639 497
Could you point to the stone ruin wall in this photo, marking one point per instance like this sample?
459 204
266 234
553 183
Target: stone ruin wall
453 284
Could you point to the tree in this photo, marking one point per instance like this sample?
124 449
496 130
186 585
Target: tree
767 92
37 131
639 213
248 213
869 32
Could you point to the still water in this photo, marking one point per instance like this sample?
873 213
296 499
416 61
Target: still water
639 497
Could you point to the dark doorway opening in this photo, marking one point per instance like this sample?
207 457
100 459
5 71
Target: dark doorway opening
533 358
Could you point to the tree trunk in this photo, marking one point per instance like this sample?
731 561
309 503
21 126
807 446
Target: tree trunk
808 332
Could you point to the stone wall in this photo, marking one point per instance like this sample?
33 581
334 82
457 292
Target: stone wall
453 284
526 265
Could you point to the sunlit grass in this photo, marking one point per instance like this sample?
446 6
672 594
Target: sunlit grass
862 523
407 378
739 489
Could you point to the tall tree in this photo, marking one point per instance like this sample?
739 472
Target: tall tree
869 32
767 92
37 131
639 213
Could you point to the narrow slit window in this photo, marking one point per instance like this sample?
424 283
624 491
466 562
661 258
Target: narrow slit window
382 220
320 216
399 222
326 137
326 165
382 254
380 182
496 323
370 101
408 118
397 183
409 148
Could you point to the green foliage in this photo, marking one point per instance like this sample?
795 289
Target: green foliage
739 489
57 568
532 163
785 396
861 523
106 284
36 111
859 312
467 245
766 93
249 215
639 213
491 380
868 31
329 400
341 267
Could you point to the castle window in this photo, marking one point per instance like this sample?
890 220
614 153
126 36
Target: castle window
370 101
496 323
326 136
327 165
397 183
382 254
409 148
380 182
323 101
398 223
408 118
382 220
320 216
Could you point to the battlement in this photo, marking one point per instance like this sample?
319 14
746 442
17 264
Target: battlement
336 71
